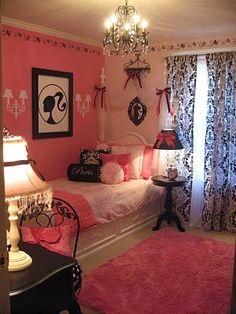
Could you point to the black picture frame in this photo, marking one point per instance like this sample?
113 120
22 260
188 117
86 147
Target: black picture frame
137 111
52 97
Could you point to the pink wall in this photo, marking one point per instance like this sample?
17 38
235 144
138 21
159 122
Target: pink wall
22 50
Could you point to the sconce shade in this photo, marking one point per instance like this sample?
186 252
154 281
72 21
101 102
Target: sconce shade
168 139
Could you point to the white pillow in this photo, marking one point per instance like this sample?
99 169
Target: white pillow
112 173
136 152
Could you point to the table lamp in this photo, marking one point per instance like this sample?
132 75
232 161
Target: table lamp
23 189
168 140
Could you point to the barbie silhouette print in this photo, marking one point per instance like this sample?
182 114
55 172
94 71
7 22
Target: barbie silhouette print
52 103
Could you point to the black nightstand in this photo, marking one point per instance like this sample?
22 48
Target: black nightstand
46 286
168 214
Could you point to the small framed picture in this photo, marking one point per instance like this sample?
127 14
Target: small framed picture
52 95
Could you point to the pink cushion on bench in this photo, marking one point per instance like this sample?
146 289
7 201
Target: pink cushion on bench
56 239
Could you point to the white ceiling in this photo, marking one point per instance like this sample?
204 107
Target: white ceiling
168 19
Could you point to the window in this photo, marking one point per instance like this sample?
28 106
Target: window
199 142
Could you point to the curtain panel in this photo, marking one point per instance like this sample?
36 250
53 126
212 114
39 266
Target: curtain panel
181 78
219 210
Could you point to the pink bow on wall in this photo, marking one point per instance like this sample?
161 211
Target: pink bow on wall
101 90
134 74
166 93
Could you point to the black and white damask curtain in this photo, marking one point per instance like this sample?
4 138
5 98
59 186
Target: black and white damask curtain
219 210
181 78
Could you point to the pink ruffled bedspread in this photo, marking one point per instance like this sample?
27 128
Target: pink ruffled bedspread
81 206
112 201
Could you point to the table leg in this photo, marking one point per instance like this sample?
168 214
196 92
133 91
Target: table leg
168 215
74 308
162 217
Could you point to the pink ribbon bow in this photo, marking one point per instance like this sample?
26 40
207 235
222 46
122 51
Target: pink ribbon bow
165 92
101 90
134 74
168 138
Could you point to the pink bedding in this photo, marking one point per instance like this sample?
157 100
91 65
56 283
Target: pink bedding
109 202
81 205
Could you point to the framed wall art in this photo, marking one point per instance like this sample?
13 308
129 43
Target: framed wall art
52 94
137 111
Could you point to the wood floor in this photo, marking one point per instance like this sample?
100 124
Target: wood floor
98 258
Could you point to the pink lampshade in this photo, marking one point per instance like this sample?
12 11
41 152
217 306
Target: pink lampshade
21 181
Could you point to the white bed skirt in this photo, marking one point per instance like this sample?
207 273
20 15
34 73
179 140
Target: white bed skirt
103 235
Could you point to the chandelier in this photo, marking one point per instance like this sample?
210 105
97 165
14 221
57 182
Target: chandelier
125 32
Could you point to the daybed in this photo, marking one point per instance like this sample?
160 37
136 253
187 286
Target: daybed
108 212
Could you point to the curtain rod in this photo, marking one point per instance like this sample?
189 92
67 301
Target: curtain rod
202 52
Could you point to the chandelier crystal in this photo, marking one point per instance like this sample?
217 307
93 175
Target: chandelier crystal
125 32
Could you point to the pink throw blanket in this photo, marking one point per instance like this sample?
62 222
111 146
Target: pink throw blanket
81 206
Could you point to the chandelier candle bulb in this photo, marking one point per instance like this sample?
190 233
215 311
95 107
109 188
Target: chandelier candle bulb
136 18
113 19
144 24
107 24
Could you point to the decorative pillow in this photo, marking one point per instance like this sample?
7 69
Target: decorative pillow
122 159
136 152
55 239
147 162
112 173
83 172
93 156
103 146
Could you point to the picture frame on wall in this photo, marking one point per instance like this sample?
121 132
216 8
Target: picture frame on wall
52 96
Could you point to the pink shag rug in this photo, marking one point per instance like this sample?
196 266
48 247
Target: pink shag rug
169 273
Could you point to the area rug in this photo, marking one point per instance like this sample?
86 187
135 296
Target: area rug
170 272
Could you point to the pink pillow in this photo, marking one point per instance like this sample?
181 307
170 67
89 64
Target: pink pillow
112 173
122 159
146 172
55 239
136 157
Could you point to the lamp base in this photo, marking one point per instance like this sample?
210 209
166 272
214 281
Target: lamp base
18 261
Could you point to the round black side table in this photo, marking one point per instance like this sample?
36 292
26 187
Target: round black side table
168 214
